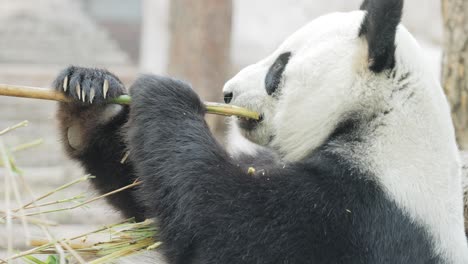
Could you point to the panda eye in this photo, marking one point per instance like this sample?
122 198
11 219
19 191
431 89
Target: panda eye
275 73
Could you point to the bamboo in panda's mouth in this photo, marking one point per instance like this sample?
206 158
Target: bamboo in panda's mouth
49 94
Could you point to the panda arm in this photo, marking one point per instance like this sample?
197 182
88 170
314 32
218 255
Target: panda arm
193 187
91 132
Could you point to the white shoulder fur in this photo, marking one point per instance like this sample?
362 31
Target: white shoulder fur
414 155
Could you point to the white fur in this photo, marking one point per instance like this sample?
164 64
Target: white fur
414 155
417 158
322 62
239 145
110 112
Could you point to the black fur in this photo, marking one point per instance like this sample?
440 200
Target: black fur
102 146
210 210
324 209
275 73
89 78
379 28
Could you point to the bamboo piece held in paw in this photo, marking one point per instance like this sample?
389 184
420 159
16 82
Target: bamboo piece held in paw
48 94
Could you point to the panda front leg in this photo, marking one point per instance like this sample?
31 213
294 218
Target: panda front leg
209 210
174 153
91 132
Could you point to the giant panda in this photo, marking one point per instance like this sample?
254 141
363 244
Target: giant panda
354 158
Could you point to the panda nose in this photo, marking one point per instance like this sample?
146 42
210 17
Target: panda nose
228 97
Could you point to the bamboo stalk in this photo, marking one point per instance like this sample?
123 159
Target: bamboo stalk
52 242
27 145
9 225
63 187
9 129
136 183
48 94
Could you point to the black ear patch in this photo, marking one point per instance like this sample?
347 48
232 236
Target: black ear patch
275 73
379 28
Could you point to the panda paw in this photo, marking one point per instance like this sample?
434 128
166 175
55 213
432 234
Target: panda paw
86 86
156 95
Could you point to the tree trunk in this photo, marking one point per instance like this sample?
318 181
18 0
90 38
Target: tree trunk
455 64
455 71
200 47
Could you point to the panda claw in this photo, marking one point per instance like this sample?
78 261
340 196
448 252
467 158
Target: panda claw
105 88
92 93
65 83
78 91
83 96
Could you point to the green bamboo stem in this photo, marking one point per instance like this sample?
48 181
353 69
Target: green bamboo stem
60 188
9 129
43 246
136 183
48 94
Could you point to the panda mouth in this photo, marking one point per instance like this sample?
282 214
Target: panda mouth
249 124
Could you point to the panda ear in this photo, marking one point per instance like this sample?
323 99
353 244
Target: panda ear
379 28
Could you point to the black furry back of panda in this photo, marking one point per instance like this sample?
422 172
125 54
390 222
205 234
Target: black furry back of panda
321 210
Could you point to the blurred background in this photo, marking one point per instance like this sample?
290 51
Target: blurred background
204 42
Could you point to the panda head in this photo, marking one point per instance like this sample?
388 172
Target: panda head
337 64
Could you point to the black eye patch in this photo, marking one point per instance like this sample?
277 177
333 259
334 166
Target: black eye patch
275 73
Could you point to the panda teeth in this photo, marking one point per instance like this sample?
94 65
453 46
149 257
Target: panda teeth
260 119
